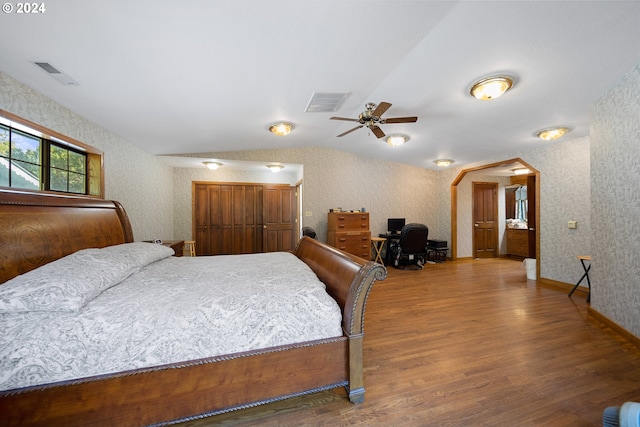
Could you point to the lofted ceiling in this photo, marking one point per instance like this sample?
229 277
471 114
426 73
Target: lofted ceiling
210 76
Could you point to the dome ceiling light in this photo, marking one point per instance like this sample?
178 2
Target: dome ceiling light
443 163
491 87
212 165
275 168
520 171
551 134
280 128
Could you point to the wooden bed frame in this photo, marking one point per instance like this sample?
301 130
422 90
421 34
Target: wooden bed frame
38 228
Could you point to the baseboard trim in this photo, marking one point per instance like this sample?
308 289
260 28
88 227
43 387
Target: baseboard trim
593 313
554 284
619 330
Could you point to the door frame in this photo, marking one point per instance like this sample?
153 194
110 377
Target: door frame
454 204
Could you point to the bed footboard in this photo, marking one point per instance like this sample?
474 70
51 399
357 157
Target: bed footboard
349 280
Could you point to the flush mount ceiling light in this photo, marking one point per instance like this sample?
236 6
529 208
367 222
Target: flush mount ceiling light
275 168
212 165
552 133
396 140
491 87
443 163
520 171
281 128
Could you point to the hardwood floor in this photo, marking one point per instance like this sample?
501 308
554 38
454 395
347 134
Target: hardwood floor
471 343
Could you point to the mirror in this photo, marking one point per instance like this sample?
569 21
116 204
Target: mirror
516 206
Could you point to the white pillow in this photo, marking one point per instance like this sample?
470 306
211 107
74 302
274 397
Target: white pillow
138 253
69 283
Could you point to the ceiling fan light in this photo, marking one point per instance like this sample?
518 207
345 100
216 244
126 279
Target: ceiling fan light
491 87
212 165
275 168
443 163
281 128
552 133
396 140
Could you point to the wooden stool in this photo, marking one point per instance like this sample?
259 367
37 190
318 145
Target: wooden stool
191 246
377 243
586 269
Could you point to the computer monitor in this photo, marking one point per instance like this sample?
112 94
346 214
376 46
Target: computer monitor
394 225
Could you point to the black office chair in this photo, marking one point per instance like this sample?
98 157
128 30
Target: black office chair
411 249
308 231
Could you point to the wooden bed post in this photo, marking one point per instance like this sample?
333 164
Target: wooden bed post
354 325
356 377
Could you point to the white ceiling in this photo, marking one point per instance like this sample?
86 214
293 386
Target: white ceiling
209 76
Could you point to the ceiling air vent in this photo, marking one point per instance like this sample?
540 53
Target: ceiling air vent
56 74
325 102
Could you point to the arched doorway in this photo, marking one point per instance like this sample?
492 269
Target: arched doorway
487 168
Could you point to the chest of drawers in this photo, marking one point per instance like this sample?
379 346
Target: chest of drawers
349 232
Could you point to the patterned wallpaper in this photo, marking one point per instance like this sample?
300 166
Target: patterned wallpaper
615 203
138 180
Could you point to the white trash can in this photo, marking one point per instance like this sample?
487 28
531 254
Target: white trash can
529 264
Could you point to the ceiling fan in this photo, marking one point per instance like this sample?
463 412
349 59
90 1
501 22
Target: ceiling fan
371 119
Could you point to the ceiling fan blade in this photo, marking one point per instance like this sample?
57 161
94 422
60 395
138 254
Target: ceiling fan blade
381 108
401 120
344 118
350 130
377 131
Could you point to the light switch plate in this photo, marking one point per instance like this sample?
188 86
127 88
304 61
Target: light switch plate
573 224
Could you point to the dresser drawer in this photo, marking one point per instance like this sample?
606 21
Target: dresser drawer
338 221
353 242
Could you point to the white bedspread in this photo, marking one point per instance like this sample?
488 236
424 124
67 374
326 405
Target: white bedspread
175 309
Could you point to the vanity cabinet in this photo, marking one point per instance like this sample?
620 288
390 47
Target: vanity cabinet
518 242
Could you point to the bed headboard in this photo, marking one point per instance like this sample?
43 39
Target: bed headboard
37 228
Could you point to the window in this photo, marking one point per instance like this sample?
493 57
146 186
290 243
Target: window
20 163
67 170
35 158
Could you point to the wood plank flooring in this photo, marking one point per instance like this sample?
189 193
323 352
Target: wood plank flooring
471 343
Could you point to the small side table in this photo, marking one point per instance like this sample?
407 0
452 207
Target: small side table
190 246
586 269
377 243
176 245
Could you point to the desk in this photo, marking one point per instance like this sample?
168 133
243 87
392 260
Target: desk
377 243
586 269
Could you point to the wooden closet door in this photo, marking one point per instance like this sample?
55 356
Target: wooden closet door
279 218
200 207
227 218
247 219
212 219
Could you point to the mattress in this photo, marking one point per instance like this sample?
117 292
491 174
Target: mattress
160 311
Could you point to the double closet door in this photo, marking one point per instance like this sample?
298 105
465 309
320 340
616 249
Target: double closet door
230 219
